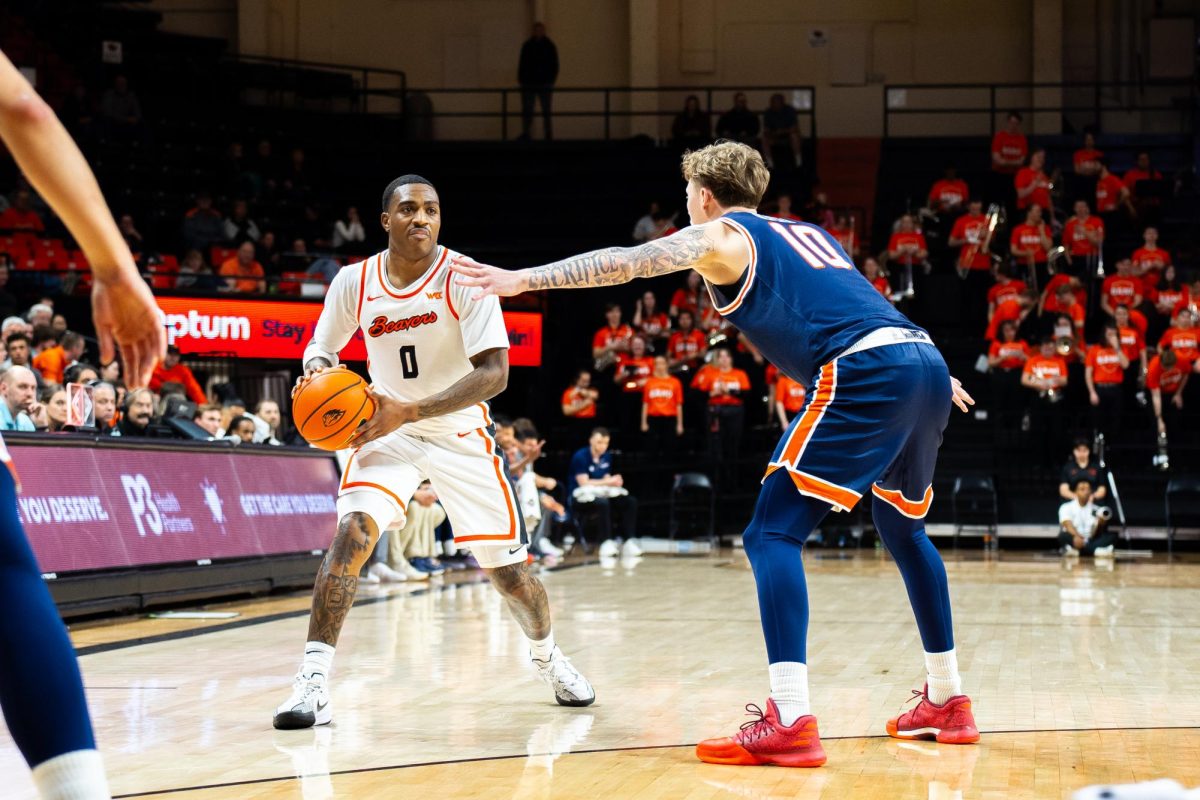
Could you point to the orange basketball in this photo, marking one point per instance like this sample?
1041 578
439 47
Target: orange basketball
329 408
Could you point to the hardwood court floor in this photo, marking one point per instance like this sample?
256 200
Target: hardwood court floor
1080 674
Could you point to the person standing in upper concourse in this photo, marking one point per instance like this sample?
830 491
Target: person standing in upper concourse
537 72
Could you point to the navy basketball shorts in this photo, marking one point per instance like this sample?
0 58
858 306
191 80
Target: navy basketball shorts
873 421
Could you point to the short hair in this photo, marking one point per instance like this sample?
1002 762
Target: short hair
8 321
580 373
258 406
501 421
19 336
75 370
71 339
36 307
1017 114
1083 480
732 171
611 307
403 180
1082 441
201 410
238 420
44 333
600 431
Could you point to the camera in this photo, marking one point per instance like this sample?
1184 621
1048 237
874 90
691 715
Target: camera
1103 512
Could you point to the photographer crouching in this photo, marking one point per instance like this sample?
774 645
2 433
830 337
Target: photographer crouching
1085 525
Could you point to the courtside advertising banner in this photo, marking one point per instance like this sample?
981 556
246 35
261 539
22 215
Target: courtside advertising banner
118 507
282 328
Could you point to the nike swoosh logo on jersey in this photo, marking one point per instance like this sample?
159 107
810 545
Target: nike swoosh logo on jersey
468 433
373 299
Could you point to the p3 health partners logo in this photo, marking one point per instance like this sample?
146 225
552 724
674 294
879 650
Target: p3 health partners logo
154 512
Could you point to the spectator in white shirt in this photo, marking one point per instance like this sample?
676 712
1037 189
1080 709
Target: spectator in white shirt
348 230
1085 525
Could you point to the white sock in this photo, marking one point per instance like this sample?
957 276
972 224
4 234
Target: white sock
789 690
541 649
78 775
943 679
318 659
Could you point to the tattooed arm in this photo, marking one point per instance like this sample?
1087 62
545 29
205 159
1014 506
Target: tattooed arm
712 249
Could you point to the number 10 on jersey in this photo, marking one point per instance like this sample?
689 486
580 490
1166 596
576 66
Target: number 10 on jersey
812 246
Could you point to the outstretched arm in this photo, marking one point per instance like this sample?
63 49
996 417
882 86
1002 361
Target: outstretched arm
711 249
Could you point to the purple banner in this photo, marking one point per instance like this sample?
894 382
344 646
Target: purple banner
87 508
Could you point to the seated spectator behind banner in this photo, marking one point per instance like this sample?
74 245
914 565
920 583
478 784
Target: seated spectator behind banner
948 194
104 401
1150 260
58 324
238 226
597 489
781 135
53 362
80 372
268 414
137 414
19 406
171 370
739 123
1182 337
208 417
203 226
195 274
1084 529
1104 375
1081 467
242 273
55 400
19 355
1083 235
111 371
1009 146
1122 289
411 547
241 430
39 315
20 216
579 399
1087 158
1168 375
662 408
789 399
692 128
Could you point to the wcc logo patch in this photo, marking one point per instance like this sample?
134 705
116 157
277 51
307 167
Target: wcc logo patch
331 418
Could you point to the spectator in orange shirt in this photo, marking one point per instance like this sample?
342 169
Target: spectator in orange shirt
843 232
724 386
907 245
1087 158
687 298
633 369
1150 259
1006 360
948 194
662 408
1142 172
1122 289
1169 297
1045 376
53 362
1083 234
1009 146
783 208
687 346
1011 309
1131 340
1182 337
579 399
242 273
968 234
874 273
1104 375
20 216
1033 185
649 321
789 399
1005 288
1067 303
611 340
172 370
1030 243
1167 374
1111 194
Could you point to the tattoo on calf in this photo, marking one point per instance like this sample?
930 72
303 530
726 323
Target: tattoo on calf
526 598
337 580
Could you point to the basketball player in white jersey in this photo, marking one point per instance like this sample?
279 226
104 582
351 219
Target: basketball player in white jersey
435 359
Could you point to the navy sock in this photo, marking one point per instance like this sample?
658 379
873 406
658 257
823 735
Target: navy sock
41 692
783 520
923 572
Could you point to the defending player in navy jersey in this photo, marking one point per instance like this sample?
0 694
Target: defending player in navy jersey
872 423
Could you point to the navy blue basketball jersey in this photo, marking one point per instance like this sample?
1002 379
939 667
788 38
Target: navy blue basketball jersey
801 302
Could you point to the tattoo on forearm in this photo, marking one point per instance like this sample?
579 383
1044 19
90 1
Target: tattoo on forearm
337 580
616 265
487 380
526 598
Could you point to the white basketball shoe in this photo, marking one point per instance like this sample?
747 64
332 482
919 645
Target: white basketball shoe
308 704
570 687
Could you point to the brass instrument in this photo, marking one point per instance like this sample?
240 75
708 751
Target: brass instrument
994 219
1054 256
1064 345
1100 260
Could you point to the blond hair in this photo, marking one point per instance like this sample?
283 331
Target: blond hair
733 172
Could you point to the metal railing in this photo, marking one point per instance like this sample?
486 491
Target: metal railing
271 81
979 108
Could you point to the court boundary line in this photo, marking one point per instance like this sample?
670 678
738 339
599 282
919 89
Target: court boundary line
122 644
593 751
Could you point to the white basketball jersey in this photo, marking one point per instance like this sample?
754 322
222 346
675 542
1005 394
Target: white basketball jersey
420 338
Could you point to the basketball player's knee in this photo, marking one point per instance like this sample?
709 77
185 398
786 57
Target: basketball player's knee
511 580
752 540
356 537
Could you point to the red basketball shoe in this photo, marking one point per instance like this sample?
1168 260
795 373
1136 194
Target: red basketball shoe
765 741
949 723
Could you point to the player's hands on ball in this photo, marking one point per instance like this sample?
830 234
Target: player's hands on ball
959 395
312 368
389 415
491 280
